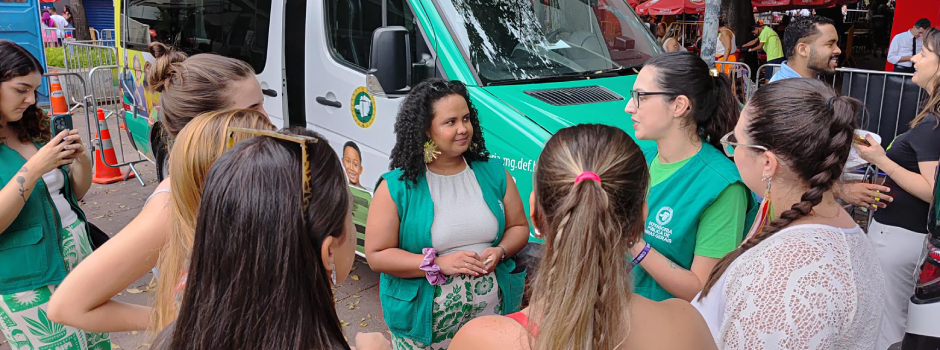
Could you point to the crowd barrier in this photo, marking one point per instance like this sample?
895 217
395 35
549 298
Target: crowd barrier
742 82
80 57
891 99
89 103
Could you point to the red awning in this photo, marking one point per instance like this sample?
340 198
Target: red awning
785 5
671 7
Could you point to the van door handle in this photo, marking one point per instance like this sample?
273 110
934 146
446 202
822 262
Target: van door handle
324 101
269 92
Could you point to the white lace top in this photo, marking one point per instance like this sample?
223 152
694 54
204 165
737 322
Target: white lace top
806 287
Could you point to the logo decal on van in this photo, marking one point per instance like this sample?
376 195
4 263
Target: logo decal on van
362 106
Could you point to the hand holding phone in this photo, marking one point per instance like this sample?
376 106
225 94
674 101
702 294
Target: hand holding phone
61 123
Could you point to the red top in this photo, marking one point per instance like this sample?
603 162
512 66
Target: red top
524 321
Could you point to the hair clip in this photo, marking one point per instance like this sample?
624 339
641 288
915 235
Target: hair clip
713 72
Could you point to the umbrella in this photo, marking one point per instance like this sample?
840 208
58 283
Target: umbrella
671 7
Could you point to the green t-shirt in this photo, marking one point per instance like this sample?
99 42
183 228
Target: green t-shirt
718 232
772 45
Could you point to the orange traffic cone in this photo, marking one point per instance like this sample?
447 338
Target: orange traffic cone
103 173
57 97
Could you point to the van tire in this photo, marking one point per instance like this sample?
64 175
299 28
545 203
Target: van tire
161 154
163 165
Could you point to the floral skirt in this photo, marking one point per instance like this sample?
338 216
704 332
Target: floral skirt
23 316
461 299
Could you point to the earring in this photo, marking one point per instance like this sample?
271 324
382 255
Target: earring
333 273
473 146
430 151
765 213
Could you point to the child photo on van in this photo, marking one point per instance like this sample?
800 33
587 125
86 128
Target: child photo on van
352 161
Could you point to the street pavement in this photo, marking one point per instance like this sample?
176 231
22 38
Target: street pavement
113 206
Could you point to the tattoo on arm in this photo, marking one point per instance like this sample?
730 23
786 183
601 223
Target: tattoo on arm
23 169
22 181
673 265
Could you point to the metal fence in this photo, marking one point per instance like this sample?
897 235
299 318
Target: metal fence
742 82
857 16
891 99
90 102
80 57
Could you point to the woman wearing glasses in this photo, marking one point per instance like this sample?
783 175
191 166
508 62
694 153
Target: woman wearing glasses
808 279
443 223
697 203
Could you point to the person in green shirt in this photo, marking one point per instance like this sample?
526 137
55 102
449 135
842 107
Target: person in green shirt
767 40
697 203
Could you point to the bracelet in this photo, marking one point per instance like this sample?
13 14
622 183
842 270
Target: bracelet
431 270
504 252
639 257
892 171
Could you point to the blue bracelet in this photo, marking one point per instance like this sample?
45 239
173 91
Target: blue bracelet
646 249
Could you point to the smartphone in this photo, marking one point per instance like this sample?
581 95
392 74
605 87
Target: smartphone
861 140
60 123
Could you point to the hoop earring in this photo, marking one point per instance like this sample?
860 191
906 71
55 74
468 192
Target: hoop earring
333 273
430 151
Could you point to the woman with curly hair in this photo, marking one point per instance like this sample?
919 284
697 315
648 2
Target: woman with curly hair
443 222
43 232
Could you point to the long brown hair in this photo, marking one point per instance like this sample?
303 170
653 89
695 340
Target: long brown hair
809 129
258 280
198 146
582 283
190 86
16 62
932 106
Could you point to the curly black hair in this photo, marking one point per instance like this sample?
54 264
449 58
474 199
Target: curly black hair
414 120
15 61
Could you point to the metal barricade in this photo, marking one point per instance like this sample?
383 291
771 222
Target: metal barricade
80 57
685 32
107 35
89 105
764 73
856 16
741 79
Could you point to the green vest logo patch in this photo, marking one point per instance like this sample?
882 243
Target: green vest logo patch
362 106
664 216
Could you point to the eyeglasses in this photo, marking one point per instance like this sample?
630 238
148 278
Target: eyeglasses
729 142
301 140
637 94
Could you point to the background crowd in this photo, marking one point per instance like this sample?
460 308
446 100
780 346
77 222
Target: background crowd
728 232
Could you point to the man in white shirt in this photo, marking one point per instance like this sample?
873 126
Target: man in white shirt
907 44
60 22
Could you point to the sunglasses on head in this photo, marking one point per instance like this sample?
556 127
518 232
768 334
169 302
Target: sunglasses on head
301 140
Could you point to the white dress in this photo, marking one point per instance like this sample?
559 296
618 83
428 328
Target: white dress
806 287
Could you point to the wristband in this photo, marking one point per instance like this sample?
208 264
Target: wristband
504 252
639 257
431 270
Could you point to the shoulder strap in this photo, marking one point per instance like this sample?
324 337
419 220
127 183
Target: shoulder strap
523 320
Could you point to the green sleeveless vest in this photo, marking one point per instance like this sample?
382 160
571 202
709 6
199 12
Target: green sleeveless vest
407 302
675 207
30 255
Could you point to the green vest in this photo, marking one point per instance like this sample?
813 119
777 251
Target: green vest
407 302
675 207
30 253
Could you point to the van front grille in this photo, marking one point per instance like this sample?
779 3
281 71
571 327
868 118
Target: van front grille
575 96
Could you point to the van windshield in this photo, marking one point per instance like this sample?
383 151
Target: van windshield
523 40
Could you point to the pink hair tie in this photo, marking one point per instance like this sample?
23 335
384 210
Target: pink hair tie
587 175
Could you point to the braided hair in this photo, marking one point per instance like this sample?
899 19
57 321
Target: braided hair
809 128
414 120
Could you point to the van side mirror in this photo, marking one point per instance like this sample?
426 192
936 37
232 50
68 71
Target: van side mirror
389 62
